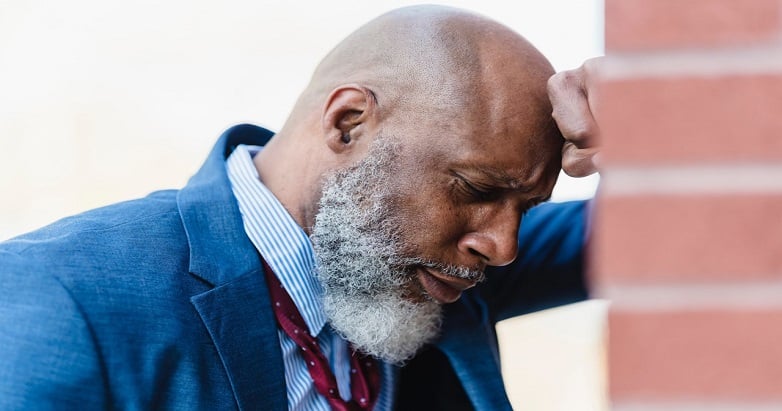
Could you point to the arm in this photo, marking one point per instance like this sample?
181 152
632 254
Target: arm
47 355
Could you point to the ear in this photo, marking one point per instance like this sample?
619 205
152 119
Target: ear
346 114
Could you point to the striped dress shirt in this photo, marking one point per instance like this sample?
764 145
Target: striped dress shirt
288 251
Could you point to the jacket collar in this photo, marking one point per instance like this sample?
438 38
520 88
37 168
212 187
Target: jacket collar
219 247
236 312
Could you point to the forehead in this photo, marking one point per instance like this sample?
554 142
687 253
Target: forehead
500 128
520 154
516 161
511 133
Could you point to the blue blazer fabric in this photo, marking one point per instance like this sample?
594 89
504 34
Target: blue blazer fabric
160 303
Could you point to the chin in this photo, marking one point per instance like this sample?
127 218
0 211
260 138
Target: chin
391 328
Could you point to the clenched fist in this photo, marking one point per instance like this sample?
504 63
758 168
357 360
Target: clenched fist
572 99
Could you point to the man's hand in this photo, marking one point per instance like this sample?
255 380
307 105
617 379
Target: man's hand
572 101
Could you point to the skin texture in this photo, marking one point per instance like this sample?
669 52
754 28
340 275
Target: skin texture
573 99
465 97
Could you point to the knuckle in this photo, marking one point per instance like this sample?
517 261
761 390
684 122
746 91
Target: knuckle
581 131
562 80
591 65
574 129
553 83
575 167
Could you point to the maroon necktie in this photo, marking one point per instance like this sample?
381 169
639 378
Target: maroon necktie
364 375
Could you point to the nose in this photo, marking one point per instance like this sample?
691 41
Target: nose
496 243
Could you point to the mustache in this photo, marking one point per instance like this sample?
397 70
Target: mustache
468 273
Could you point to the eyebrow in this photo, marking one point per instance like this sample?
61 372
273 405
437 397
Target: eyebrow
505 179
509 183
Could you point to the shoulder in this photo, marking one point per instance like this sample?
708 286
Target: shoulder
100 231
50 357
116 253
88 289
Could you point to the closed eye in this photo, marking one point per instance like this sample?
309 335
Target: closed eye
478 193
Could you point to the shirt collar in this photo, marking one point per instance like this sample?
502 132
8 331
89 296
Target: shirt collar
277 237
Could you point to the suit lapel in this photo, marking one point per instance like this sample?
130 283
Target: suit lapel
237 311
239 320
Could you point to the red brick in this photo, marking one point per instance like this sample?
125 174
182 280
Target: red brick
691 355
687 238
689 119
654 24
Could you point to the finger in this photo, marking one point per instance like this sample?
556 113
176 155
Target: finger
578 162
571 108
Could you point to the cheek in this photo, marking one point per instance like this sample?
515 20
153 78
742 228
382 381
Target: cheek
432 223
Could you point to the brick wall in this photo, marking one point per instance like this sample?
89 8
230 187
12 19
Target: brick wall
688 223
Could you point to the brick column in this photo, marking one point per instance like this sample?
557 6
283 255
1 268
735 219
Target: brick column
688 223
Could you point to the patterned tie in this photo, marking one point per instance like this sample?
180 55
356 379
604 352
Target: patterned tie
364 373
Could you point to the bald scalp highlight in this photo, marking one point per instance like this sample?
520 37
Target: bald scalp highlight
419 56
428 60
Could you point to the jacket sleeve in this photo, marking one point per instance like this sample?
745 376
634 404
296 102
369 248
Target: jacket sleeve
549 269
47 354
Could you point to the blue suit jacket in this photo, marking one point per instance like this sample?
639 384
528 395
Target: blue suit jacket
160 303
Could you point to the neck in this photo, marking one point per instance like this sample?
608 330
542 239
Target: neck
284 168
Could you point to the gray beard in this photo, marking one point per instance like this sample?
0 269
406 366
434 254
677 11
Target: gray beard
361 265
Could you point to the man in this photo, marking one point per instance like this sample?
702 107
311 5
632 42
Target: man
340 264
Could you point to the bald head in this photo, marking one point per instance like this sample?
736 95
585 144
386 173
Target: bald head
433 76
427 58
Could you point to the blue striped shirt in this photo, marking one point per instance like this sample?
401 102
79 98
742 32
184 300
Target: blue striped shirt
288 251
